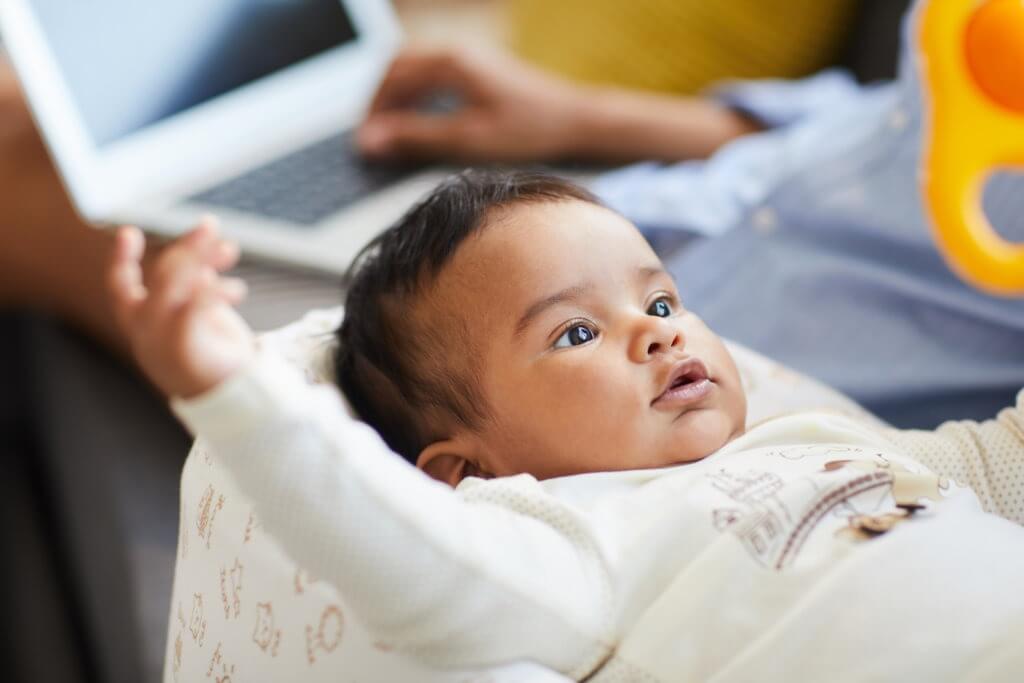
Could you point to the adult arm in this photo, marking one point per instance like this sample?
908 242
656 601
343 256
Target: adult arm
510 111
986 456
804 121
50 259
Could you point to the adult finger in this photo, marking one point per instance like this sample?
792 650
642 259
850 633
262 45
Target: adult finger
418 72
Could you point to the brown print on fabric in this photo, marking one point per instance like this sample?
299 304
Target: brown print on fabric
209 505
751 485
176 662
751 488
197 624
862 528
181 616
302 581
723 518
813 450
826 500
215 660
266 637
250 527
758 531
327 634
219 670
231 589
908 488
772 518
761 517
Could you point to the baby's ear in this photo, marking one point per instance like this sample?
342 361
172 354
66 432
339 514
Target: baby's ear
449 461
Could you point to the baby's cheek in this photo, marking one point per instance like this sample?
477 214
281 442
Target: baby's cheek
610 410
604 391
735 398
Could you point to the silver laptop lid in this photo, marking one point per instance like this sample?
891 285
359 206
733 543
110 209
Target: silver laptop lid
141 99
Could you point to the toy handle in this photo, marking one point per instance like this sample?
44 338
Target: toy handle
974 94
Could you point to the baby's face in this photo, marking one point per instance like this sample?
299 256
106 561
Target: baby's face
587 357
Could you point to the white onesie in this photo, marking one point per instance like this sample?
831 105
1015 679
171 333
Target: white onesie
736 567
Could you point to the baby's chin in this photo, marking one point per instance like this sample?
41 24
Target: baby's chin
697 435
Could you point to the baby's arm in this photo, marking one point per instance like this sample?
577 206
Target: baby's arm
987 456
457 583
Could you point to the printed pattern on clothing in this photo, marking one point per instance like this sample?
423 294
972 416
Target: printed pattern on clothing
773 517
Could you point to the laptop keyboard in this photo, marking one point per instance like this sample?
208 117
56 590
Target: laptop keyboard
308 185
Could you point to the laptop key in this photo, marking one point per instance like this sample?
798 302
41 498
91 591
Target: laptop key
308 185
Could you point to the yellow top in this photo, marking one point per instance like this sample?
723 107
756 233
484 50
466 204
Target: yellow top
678 46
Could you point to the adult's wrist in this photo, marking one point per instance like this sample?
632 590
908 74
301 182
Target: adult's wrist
618 125
589 120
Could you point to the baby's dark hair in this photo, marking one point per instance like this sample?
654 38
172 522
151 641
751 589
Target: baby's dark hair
392 383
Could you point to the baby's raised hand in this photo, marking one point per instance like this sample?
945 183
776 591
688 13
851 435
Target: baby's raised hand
181 324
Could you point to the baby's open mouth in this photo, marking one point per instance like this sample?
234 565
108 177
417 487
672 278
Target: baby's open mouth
687 383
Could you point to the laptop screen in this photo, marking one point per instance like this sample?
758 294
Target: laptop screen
132 63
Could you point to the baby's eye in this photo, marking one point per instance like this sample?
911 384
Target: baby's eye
661 307
575 336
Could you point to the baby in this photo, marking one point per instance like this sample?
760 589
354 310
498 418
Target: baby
610 519
511 324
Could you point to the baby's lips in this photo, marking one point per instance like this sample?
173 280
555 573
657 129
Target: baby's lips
974 96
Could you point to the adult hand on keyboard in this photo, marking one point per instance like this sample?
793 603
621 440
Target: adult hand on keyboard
508 111
181 324
512 112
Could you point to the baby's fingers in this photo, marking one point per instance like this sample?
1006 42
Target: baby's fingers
176 278
124 277
208 246
184 265
232 289
225 256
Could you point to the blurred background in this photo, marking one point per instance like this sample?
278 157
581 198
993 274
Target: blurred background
89 456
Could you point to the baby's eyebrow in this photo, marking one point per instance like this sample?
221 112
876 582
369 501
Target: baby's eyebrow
538 307
645 273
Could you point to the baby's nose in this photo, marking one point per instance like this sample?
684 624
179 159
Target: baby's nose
654 337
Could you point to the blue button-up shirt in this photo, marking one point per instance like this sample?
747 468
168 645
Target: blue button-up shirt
813 248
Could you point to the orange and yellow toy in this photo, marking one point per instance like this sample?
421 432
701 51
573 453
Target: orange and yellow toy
973 70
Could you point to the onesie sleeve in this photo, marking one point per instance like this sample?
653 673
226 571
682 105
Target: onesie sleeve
453 581
986 456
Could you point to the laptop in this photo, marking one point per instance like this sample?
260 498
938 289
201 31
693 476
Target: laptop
158 112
